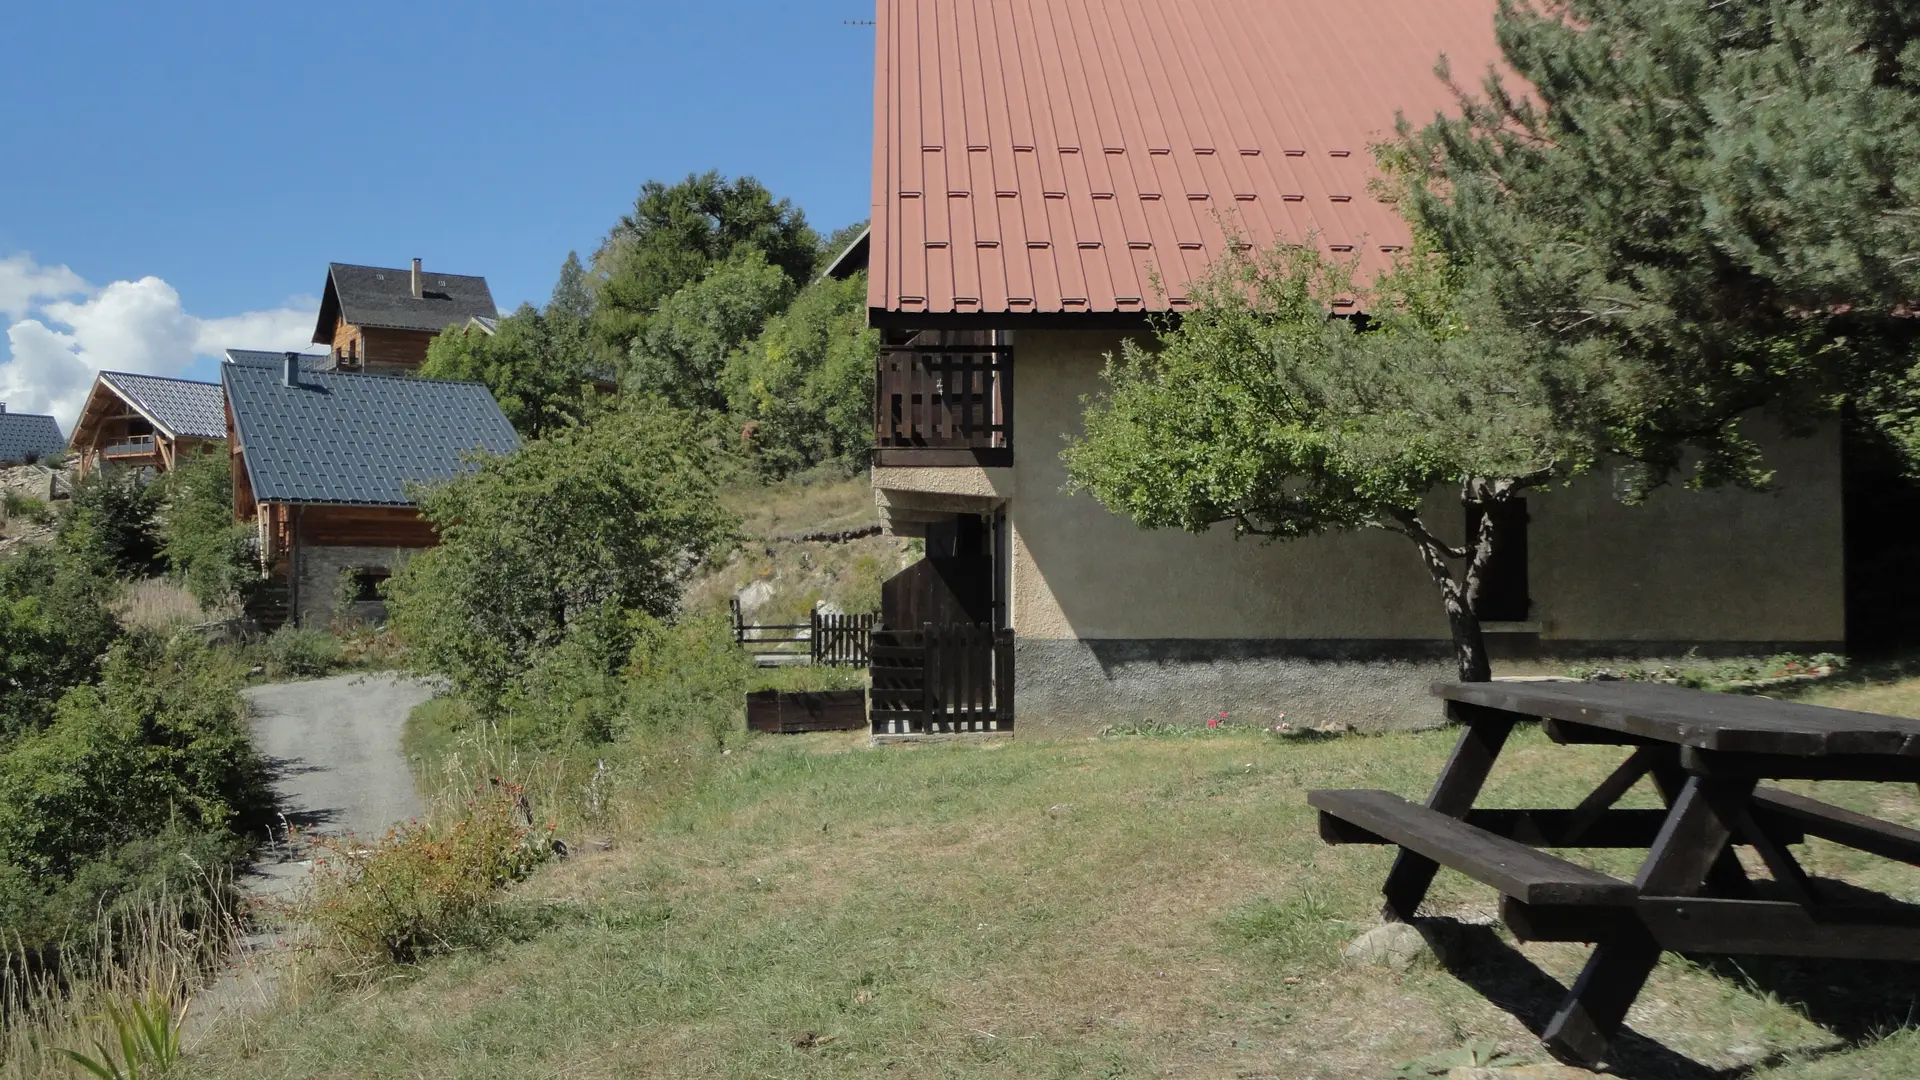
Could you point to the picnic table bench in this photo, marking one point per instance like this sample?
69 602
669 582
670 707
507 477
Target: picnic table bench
1707 754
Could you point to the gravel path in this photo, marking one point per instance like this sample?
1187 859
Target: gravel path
334 748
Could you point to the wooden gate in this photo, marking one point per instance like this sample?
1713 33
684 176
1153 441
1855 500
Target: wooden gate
941 679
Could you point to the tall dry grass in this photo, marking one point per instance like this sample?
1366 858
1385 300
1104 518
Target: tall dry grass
162 605
171 948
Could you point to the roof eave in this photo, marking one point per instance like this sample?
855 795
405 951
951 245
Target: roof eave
896 319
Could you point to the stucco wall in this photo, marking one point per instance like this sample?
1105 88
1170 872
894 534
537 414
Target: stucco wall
1116 622
319 580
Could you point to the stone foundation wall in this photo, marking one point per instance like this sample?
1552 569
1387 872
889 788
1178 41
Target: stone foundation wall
1066 688
319 582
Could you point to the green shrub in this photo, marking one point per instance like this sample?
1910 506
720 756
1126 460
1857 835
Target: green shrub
147 1033
632 676
55 625
111 522
299 652
425 887
610 517
159 743
34 510
210 552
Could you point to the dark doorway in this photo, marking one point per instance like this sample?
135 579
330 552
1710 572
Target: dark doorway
1881 507
955 583
1502 596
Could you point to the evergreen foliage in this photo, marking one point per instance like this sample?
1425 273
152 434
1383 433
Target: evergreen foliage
1717 202
676 233
208 550
55 626
144 781
111 523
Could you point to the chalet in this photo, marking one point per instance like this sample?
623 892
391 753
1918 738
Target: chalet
322 461
381 320
27 438
1044 188
145 421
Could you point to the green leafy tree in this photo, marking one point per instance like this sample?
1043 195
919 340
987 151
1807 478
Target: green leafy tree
1723 197
1261 412
539 365
675 233
586 524
804 386
680 354
209 551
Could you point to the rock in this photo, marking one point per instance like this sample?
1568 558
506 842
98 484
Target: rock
1397 946
1520 1072
754 597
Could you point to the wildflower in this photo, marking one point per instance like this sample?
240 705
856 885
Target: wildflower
1213 722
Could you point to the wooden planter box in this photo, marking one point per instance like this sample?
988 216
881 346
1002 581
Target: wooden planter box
816 710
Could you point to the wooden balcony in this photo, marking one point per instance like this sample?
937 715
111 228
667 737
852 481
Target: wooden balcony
944 399
131 446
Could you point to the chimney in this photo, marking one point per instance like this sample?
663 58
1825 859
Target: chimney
417 294
3 407
292 375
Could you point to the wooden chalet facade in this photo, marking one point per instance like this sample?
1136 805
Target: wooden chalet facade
146 421
321 465
381 320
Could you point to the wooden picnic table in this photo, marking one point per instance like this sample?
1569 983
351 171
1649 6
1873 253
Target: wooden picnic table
1707 754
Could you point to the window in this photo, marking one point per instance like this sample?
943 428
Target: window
1502 596
365 582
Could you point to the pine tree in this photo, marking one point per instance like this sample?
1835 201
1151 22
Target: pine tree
1719 204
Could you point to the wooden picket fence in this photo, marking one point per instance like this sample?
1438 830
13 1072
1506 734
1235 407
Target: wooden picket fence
941 679
828 639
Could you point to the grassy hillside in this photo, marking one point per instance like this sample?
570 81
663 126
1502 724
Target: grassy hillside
1115 907
796 574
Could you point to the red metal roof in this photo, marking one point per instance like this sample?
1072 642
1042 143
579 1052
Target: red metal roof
1048 156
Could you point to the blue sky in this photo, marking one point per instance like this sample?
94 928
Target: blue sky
179 175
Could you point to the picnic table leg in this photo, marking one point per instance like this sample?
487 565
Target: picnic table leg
1690 844
1485 732
1726 877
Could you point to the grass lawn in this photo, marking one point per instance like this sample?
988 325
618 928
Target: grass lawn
1105 908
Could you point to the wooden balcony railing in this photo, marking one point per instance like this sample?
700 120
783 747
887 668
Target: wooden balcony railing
943 400
131 446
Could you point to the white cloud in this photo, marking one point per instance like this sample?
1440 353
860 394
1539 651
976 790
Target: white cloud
23 282
77 330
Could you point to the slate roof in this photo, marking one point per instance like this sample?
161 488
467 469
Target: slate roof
24 435
381 297
1047 157
271 359
178 407
348 438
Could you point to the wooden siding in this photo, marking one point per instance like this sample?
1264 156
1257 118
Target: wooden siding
363 526
393 350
